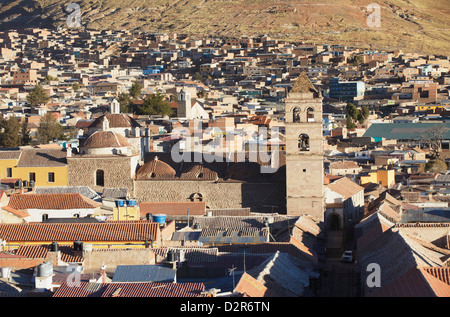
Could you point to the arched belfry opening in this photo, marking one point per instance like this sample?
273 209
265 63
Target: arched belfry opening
310 114
296 115
303 142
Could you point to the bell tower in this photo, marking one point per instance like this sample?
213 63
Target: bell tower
304 150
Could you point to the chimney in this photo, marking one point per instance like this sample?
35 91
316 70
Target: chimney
103 273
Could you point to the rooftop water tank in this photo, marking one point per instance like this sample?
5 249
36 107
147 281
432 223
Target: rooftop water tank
131 202
120 203
78 245
171 255
45 269
54 247
159 218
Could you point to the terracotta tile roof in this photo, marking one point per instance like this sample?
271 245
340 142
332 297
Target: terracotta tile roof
307 224
173 208
9 155
18 213
250 287
441 273
156 169
105 139
199 172
51 201
41 252
344 165
131 290
116 120
417 282
86 232
42 158
345 187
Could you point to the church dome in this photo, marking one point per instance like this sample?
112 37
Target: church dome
116 120
156 169
105 139
199 172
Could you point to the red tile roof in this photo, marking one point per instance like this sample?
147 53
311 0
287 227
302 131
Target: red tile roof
86 232
18 213
86 289
41 252
250 287
51 201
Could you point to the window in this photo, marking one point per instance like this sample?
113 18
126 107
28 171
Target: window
51 177
44 217
8 172
100 178
32 177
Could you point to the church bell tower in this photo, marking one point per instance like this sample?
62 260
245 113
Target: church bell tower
304 150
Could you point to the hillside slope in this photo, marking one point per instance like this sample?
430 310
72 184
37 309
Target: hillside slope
412 25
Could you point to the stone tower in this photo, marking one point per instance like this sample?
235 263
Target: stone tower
184 105
304 150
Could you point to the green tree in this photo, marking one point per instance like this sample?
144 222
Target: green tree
75 86
352 111
350 123
25 136
365 112
10 132
155 104
37 96
124 100
135 90
356 60
50 129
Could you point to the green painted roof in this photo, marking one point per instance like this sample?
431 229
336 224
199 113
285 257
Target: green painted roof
403 131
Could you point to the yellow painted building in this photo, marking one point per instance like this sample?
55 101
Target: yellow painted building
126 213
385 178
46 167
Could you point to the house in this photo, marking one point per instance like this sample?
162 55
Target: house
344 168
344 203
40 207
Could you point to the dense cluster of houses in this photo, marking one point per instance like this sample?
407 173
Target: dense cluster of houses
160 206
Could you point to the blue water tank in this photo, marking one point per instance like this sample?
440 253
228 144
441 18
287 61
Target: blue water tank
120 203
131 202
159 218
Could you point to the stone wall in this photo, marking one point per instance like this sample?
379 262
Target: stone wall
94 259
117 172
217 195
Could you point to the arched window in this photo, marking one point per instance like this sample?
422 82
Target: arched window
100 178
296 115
303 142
44 217
196 197
310 115
200 175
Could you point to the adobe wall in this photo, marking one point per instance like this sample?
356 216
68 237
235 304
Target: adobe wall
218 195
94 259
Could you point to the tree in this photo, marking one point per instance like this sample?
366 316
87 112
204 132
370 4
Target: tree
37 96
365 112
25 136
135 90
350 124
434 137
352 111
155 104
124 100
356 60
75 86
10 132
50 129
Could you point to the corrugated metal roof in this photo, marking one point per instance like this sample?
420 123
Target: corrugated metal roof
144 273
403 131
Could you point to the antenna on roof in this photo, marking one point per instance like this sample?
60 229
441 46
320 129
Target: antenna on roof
233 268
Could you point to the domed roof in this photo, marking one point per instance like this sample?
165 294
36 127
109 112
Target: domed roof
116 120
199 172
105 139
156 169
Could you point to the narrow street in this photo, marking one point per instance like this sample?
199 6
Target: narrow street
338 279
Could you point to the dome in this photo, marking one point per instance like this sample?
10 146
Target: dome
105 139
199 172
116 120
156 169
